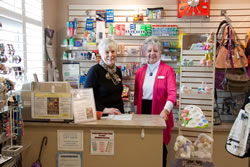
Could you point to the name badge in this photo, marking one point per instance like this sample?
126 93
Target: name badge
161 77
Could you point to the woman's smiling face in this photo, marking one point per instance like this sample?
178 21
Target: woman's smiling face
109 55
153 54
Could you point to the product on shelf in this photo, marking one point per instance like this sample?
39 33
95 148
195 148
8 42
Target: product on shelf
129 69
193 117
125 92
145 30
71 28
100 15
203 147
110 15
138 15
183 147
89 26
10 119
131 97
154 13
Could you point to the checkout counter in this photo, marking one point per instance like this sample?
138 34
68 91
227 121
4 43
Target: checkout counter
136 142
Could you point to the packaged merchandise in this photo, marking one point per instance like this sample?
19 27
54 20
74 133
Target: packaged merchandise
148 29
109 15
154 13
100 15
132 29
193 117
89 24
111 29
125 92
71 42
142 30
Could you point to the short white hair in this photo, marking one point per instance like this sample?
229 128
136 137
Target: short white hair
153 40
106 43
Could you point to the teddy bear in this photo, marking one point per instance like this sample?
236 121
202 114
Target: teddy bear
183 147
203 146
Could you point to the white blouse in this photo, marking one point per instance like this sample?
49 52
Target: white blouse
148 84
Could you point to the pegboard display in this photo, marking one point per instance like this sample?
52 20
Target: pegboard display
124 14
130 55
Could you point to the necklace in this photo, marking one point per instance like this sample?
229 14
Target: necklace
151 70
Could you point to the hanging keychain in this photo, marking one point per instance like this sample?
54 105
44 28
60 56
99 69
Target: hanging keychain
8 123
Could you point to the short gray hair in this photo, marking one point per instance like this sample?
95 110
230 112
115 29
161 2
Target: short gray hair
153 40
105 43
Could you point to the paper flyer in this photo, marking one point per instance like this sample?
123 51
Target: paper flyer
66 159
51 105
72 140
102 142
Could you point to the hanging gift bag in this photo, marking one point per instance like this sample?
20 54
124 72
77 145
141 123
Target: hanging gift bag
236 143
229 52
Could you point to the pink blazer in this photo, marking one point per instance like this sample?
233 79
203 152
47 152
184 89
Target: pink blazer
164 90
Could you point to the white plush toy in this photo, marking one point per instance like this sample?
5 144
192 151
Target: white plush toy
203 147
183 147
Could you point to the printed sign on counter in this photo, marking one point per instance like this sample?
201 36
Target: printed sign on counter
51 105
72 159
102 142
83 105
70 140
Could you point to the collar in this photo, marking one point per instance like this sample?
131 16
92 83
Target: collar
152 66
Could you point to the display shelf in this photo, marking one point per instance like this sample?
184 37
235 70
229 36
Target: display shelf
75 61
143 37
200 130
197 96
126 55
131 42
80 48
162 20
166 51
169 61
197 69
193 52
193 77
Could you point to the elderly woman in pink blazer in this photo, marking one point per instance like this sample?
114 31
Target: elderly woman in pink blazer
155 88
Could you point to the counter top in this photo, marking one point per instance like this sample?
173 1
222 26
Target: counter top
138 121
223 127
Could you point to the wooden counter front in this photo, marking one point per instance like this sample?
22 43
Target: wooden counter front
130 148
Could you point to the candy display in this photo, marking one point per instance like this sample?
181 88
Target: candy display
125 92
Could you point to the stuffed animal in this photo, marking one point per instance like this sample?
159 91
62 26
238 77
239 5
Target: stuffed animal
203 146
183 147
